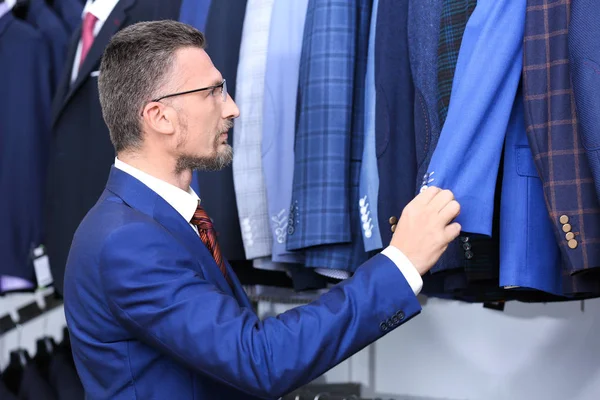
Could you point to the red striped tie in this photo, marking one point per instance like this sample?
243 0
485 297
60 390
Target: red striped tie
209 237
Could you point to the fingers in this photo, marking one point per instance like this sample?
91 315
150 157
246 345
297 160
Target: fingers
427 195
441 200
452 231
450 212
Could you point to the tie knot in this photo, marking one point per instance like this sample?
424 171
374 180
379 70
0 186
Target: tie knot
89 21
201 219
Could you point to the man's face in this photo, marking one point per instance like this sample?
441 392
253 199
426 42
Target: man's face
203 117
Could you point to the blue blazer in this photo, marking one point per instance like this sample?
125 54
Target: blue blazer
152 317
584 58
529 254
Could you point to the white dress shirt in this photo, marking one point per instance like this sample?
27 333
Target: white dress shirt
101 9
185 203
6 7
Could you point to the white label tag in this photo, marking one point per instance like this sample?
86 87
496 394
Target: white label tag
41 264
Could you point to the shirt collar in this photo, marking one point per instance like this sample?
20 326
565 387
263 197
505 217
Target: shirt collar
4 9
100 8
185 203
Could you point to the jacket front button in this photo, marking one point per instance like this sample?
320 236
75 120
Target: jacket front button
393 220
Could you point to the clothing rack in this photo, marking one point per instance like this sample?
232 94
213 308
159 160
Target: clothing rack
329 391
43 304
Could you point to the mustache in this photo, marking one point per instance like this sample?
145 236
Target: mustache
227 126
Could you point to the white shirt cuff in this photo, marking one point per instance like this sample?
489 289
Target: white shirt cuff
407 269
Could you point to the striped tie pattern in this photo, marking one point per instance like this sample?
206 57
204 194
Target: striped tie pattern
209 237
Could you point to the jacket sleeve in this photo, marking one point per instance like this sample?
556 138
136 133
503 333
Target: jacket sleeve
488 70
156 292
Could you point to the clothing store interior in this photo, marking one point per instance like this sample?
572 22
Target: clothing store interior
348 110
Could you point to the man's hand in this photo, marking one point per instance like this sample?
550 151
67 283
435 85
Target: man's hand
425 227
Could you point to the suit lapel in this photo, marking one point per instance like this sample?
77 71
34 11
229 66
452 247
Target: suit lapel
65 81
114 22
168 217
138 196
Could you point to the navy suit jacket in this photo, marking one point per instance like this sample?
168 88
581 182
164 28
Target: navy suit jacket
81 151
151 316
394 119
584 58
24 136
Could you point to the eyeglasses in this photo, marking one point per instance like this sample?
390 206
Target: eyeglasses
222 86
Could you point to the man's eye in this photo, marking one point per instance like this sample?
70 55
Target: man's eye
212 91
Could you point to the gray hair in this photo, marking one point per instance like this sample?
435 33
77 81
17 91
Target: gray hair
136 64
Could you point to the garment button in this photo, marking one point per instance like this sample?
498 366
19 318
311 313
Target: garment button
366 226
570 236
383 326
362 202
423 188
469 255
290 230
393 228
467 246
400 315
464 239
393 220
564 219
395 320
572 244
566 228
364 218
368 234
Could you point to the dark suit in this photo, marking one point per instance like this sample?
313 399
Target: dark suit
63 377
70 13
394 122
223 38
24 135
5 394
324 214
51 27
584 56
81 153
554 134
185 333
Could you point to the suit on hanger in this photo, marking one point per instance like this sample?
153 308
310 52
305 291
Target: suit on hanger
81 152
51 27
584 58
70 13
394 122
248 176
279 118
223 34
324 214
25 134
554 133
185 333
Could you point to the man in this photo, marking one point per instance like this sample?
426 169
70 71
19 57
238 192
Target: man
154 310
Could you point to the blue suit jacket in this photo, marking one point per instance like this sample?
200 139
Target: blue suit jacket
24 137
469 148
70 13
151 316
584 57
529 254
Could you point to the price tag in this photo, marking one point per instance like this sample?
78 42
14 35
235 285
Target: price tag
41 264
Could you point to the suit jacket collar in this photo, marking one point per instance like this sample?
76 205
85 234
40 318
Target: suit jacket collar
138 196
114 22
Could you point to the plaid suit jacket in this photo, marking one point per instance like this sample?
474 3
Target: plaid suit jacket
248 177
329 136
554 136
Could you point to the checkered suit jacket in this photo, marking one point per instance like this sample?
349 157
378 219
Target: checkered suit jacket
554 134
248 177
329 136
584 56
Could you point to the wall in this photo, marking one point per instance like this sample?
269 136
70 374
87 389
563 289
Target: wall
451 351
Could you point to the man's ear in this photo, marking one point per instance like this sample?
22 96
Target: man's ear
160 117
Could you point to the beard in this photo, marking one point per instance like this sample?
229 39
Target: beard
221 158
